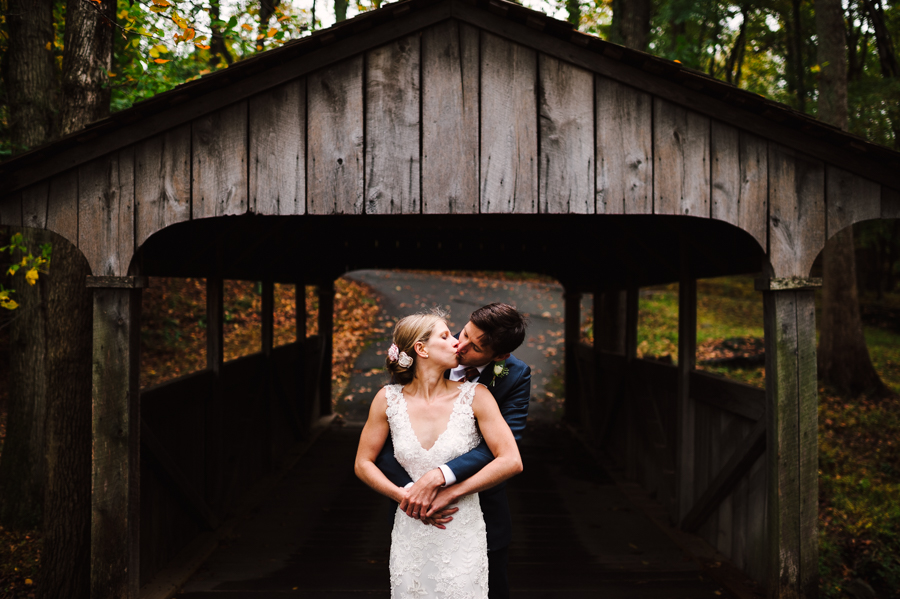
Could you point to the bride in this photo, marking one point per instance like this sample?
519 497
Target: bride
431 421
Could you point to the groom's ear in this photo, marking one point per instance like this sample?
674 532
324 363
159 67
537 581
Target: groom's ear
501 357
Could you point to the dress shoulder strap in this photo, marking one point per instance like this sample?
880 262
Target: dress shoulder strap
467 392
393 394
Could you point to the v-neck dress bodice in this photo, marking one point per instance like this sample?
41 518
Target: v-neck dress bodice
427 561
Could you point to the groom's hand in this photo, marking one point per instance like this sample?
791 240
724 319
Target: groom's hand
420 496
439 519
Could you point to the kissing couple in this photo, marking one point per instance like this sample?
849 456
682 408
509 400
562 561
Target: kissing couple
440 441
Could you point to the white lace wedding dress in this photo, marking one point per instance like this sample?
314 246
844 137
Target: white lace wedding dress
427 561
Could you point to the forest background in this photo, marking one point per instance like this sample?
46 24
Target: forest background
770 47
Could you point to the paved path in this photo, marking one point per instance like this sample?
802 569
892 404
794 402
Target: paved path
575 536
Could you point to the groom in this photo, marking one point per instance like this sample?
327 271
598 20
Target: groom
487 340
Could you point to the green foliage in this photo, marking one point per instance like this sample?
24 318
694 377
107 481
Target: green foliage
23 260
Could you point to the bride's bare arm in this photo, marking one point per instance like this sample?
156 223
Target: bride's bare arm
506 463
374 434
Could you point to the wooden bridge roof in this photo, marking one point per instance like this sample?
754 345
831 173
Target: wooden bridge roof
453 107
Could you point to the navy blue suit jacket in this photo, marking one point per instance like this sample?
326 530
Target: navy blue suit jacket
512 393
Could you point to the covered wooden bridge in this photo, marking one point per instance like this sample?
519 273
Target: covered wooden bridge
454 134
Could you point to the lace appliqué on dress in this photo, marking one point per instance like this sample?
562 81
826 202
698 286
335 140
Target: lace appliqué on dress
426 561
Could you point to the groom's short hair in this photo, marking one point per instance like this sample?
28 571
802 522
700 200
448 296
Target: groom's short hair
503 327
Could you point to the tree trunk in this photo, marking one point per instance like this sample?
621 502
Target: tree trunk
22 467
340 10
266 10
890 68
87 60
796 44
631 23
30 73
843 358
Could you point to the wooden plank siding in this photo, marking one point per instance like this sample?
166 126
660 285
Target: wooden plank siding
624 153
566 113
796 211
219 162
739 186
450 125
277 175
681 160
106 213
63 197
850 199
509 137
392 105
335 139
162 182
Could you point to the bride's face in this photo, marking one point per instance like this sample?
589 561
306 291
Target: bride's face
441 347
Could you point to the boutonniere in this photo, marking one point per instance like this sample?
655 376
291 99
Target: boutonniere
500 371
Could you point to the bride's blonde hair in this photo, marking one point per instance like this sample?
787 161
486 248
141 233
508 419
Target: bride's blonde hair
408 331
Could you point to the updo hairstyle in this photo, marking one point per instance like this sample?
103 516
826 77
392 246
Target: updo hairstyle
408 331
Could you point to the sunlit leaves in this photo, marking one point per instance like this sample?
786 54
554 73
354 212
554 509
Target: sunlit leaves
23 261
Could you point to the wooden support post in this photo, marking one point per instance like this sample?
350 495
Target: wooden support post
572 334
267 317
213 485
632 297
609 321
686 411
116 464
791 442
326 331
302 406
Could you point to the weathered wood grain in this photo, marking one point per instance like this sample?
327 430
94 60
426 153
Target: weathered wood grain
335 139
681 160
738 550
738 179
219 176
509 138
62 205
34 205
392 128
450 119
624 149
757 556
796 211
115 469
808 442
729 395
849 199
566 138
106 213
890 203
791 441
162 182
278 150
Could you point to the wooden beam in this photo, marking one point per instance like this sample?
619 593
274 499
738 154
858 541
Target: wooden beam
731 396
115 471
791 443
721 486
686 411
326 328
632 299
572 333
171 472
213 418
268 317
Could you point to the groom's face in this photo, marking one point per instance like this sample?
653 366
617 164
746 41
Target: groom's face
471 351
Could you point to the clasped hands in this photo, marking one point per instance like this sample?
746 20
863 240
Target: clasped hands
429 501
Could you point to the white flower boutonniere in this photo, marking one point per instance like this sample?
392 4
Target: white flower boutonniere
500 371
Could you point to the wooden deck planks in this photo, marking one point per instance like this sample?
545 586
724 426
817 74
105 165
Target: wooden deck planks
450 117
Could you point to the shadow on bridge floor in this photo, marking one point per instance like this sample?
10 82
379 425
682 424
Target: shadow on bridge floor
576 535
